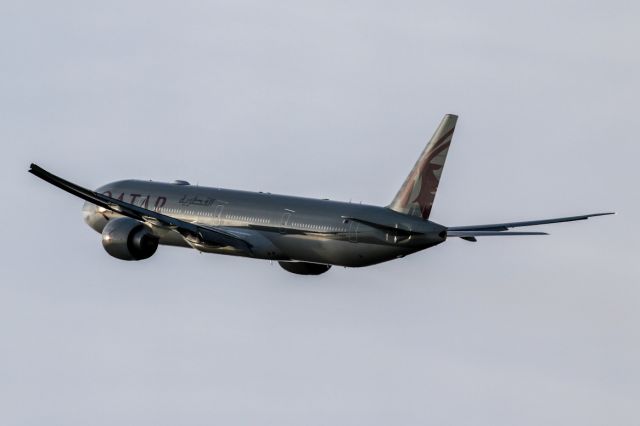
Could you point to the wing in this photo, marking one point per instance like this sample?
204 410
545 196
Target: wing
470 232
506 226
199 233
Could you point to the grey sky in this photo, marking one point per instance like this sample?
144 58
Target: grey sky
324 99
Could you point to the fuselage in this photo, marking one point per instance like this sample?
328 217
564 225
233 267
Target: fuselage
282 228
305 236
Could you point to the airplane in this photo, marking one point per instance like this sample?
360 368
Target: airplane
305 236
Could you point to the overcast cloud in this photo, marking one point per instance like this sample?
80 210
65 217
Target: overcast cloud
324 99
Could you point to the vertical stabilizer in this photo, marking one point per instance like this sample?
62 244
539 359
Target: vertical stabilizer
418 191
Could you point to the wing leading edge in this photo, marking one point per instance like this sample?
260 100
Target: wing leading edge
203 234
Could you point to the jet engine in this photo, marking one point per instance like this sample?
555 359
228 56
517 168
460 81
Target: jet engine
304 268
128 239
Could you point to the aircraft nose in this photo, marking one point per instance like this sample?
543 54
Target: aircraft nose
93 217
88 210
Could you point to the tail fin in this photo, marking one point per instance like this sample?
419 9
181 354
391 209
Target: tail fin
418 191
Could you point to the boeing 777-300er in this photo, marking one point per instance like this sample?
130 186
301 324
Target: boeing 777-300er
305 236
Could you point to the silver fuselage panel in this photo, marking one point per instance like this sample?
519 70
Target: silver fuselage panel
279 227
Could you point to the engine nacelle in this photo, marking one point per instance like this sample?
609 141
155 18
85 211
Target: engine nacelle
128 239
304 268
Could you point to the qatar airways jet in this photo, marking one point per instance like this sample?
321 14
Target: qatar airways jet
305 236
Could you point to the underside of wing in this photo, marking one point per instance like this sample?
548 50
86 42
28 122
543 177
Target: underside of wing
191 232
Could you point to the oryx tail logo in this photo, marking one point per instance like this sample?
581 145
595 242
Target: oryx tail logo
416 195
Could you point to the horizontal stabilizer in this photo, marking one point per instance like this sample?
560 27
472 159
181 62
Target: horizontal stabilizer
381 226
469 234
